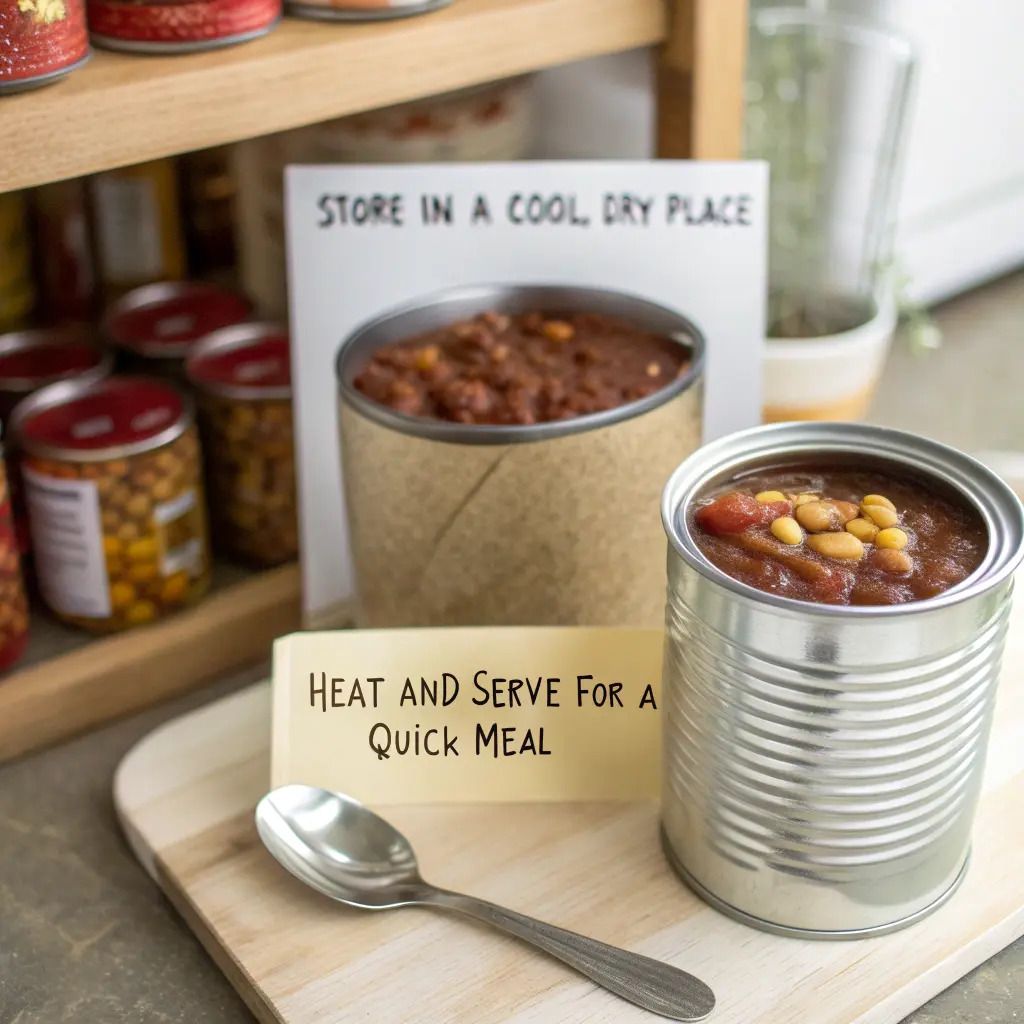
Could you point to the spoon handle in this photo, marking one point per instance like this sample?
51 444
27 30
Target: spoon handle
654 985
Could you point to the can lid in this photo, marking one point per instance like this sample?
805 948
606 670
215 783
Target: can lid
162 321
110 418
32 359
246 361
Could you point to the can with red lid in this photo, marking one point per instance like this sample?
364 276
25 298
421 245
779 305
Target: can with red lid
155 327
113 482
13 601
30 360
242 379
40 42
179 26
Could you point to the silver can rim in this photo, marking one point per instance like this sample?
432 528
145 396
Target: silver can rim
66 391
505 298
47 337
153 295
998 505
226 339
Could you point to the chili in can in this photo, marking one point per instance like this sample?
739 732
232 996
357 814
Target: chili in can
113 480
242 378
179 26
66 267
155 327
17 292
40 42
137 220
30 360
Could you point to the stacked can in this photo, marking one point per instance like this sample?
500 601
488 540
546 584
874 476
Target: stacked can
29 361
243 381
154 327
114 487
40 42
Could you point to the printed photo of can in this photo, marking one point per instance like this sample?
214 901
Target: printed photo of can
113 483
153 328
179 26
41 41
458 524
361 10
822 763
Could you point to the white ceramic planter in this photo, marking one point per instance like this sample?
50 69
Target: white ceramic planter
827 378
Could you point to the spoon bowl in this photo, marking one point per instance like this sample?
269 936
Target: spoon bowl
344 850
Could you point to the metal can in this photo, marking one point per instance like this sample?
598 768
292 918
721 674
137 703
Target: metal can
40 42
154 327
66 267
114 488
179 26
14 616
361 10
455 524
822 763
17 292
30 360
242 378
137 220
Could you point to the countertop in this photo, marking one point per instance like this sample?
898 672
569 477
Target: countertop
85 936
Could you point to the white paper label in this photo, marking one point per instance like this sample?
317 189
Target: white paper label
67 541
128 228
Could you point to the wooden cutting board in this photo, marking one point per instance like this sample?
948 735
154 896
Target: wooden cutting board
186 795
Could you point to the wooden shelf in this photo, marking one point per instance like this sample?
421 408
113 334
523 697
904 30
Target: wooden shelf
70 682
124 109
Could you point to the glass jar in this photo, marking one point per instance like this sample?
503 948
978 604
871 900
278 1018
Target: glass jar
241 376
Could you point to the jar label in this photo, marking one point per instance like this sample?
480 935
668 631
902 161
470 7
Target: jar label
67 541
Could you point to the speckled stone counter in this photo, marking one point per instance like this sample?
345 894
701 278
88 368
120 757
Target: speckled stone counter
86 937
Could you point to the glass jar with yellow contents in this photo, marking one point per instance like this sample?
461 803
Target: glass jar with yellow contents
113 482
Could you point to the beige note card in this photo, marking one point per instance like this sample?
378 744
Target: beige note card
470 715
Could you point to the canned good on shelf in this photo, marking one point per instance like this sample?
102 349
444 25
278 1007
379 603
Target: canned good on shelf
187 26
154 327
361 10
40 42
242 378
17 290
113 481
30 360
208 186
13 602
137 221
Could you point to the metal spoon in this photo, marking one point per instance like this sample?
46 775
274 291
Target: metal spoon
342 849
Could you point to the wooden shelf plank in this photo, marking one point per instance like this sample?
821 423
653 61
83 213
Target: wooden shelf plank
124 109
106 678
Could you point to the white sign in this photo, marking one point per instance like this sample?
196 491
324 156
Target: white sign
365 239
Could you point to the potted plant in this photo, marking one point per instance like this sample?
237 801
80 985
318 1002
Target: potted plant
827 102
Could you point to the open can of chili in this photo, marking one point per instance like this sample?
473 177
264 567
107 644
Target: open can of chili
242 379
503 446
154 327
113 482
830 672
30 360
